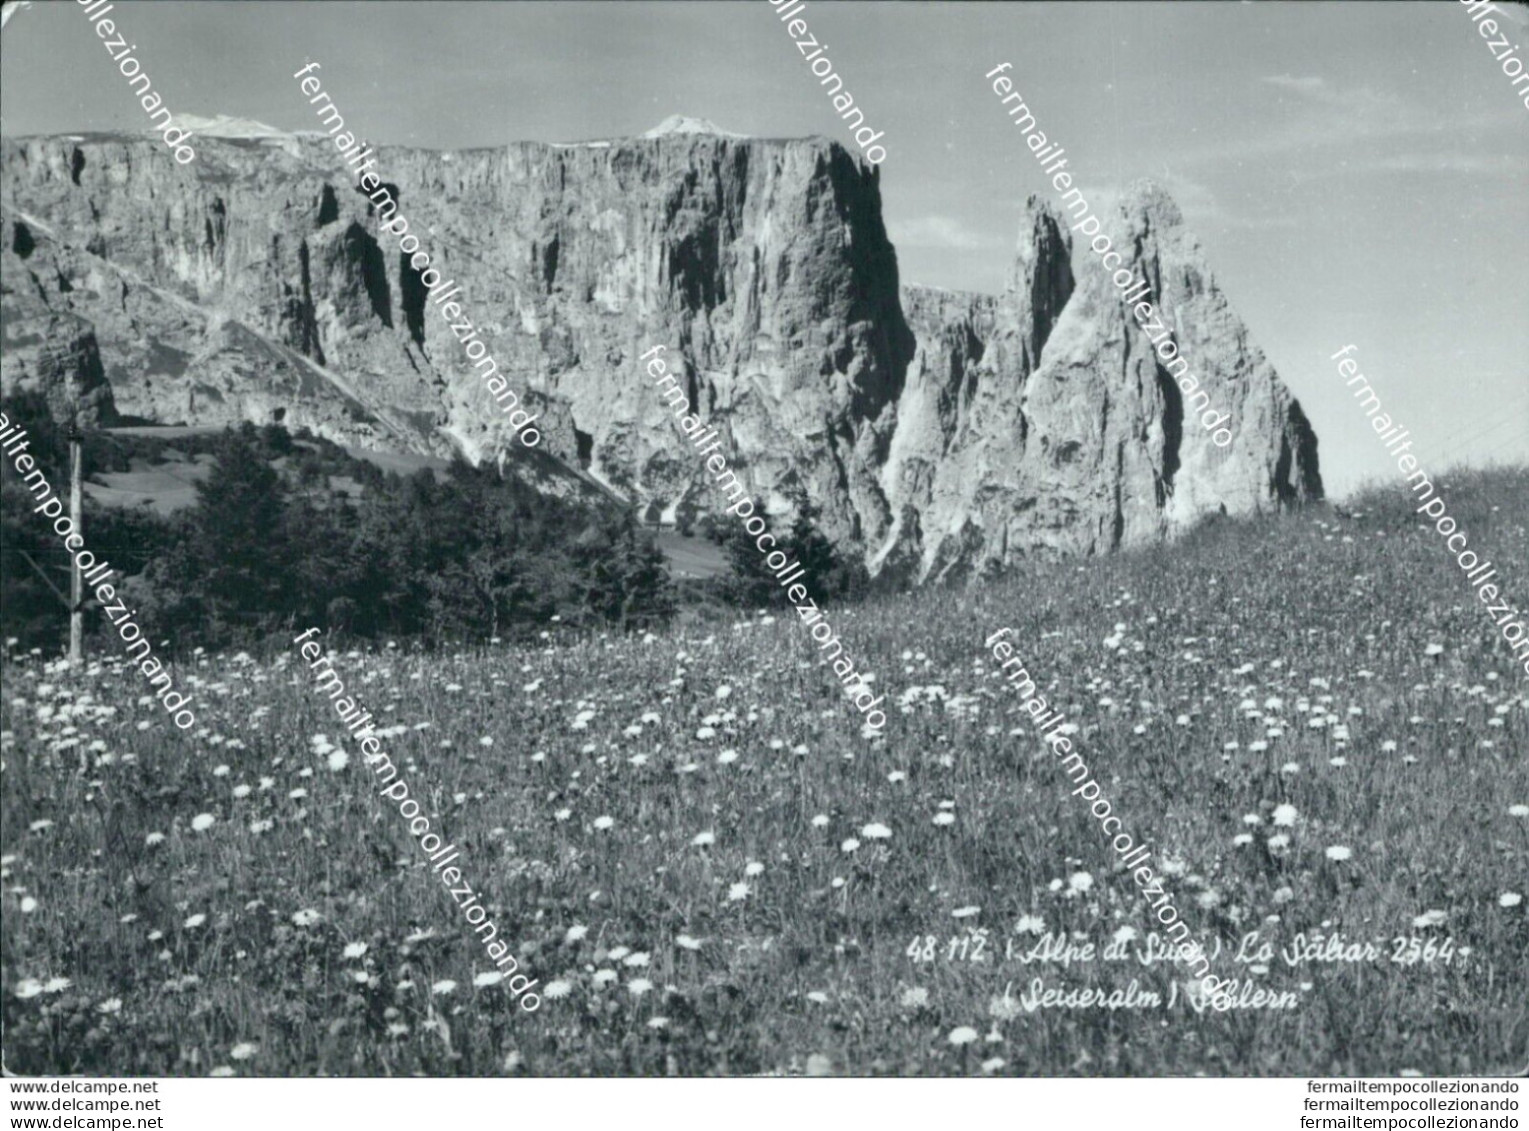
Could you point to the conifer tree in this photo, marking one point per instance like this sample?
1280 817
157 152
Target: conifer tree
239 538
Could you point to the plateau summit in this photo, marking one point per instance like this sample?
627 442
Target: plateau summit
938 433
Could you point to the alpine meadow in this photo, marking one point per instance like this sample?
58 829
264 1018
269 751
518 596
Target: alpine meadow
979 541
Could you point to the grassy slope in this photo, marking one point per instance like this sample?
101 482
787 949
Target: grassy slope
1239 630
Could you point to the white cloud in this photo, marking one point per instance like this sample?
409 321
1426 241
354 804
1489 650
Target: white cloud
936 231
1322 115
1308 84
1520 16
1202 207
1512 165
1415 163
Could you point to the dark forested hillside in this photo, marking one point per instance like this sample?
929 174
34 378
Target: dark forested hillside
272 539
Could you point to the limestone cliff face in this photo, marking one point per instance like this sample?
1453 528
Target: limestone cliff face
199 287
762 266
1043 420
937 432
46 349
256 285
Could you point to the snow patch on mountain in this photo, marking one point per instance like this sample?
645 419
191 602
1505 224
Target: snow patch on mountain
222 125
679 124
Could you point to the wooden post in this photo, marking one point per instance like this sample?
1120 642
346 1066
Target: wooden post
76 581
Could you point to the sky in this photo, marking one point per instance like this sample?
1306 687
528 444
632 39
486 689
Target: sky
1357 172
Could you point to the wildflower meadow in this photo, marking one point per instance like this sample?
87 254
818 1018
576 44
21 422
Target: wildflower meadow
708 868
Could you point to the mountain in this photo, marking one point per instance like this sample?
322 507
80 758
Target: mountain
221 125
1043 419
679 124
938 433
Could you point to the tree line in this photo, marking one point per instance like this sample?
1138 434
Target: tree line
273 541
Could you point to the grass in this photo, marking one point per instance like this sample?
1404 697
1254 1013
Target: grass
1252 666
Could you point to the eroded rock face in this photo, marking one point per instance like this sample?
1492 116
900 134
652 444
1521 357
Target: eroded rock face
939 433
196 287
256 285
761 266
1043 420
48 350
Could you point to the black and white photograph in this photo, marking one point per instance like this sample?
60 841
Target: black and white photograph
853 539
